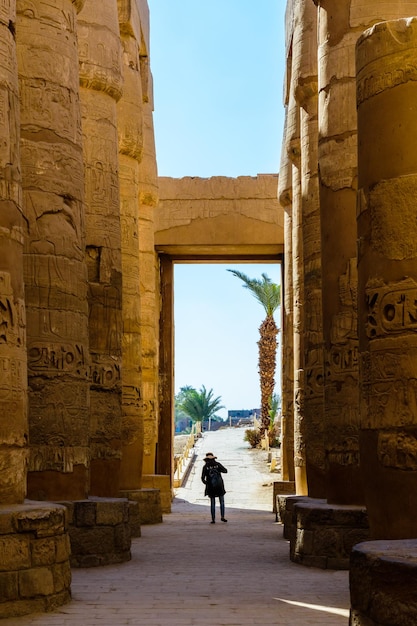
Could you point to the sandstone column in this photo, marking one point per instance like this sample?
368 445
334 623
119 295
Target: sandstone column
292 147
340 24
337 161
55 274
13 375
100 89
148 199
304 82
387 231
130 127
287 420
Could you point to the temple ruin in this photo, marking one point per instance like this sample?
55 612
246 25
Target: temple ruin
88 238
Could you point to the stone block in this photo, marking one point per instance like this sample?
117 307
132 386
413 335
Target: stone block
304 541
134 519
63 548
15 608
353 536
327 542
36 582
150 510
62 576
43 551
122 539
9 589
84 513
42 520
91 540
14 553
6 521
111 511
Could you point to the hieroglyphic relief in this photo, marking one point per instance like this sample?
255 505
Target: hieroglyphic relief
389 385
397 449
391 309
380 80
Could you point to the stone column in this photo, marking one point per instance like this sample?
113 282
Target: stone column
100 58
148 199
287 420
340 25
305 85
292 147
130 127
387 231
158 437
55 271
338 182
13 362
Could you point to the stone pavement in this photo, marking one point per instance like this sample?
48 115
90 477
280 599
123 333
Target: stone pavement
188 572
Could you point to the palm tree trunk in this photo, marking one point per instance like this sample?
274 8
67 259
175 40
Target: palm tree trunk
267 362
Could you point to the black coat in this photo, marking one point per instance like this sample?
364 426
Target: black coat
210 490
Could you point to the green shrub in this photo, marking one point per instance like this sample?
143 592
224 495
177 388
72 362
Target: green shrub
253 437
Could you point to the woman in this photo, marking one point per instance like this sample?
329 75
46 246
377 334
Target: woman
212 478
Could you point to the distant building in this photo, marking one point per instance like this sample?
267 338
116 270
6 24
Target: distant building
234 417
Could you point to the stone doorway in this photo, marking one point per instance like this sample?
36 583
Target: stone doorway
210 220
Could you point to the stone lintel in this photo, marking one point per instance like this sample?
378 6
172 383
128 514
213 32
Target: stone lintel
220 216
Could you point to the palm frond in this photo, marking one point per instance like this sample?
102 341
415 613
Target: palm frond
267 293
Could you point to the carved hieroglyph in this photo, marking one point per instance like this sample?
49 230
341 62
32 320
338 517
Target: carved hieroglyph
149 288
55 273
100 58
306 91
341 22
301 147
13 364
287 425
387 230
130 129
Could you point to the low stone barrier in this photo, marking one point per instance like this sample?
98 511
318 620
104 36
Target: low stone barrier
35 573
99 531
323 535
383 587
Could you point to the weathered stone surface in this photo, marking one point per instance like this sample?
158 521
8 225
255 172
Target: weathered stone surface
34 558
322 535
55 273
101 82
382 583
13 357
387 58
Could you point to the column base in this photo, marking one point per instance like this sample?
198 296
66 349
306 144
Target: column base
35 573
383 578
149 505
163 483
99 531
281 487
285 512
323 534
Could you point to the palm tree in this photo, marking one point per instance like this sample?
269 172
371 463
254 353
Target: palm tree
269 295
200 406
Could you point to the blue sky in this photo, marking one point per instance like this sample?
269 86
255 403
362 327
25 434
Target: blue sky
218 71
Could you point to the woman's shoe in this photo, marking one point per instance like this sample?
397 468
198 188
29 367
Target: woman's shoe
223 519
